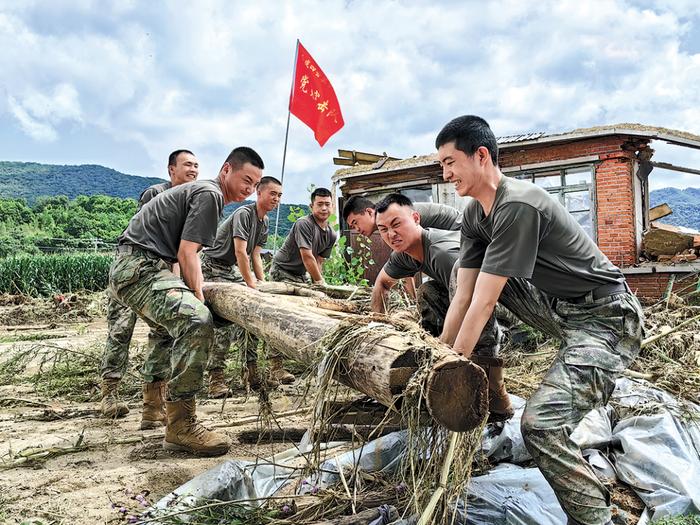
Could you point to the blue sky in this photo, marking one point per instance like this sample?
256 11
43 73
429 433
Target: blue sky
124 83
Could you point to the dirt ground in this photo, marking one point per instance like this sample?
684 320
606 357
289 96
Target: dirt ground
115 464
89 486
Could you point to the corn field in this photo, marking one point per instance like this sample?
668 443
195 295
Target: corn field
44 275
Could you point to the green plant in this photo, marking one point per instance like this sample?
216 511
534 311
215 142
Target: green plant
44 275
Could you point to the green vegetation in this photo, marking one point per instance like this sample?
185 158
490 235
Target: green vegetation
52 274
57 224
30 181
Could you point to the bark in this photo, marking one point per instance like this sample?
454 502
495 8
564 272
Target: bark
455 390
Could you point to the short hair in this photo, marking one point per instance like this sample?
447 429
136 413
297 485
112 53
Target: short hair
243 155
320 192
268 180
172 158
393 198
356 204
469 133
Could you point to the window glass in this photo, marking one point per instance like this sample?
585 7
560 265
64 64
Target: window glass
577 200
576 176
585 220
418 194
548 180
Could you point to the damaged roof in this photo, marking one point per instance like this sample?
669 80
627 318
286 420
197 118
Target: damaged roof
681 138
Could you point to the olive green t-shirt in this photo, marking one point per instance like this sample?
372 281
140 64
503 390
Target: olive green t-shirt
188 212
440 252
438 216
530 235
243 224
152 191
305 233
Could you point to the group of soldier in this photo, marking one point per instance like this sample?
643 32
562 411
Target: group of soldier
513 247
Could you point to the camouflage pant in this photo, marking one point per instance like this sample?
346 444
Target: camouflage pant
433 301
120 328
246 342
143 282
281 276
599 339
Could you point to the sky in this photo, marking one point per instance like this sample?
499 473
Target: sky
124 83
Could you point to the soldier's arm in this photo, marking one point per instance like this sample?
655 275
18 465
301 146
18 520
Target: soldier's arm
240 247
190 267
311 264
466 279
487 290
382 285
176 269
258 264
409 284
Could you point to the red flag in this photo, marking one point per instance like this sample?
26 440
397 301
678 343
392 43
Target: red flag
313 100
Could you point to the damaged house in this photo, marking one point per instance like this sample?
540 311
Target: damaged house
601 175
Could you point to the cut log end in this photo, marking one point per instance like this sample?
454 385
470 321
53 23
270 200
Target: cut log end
458 394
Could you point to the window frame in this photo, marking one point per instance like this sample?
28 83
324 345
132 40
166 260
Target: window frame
561 190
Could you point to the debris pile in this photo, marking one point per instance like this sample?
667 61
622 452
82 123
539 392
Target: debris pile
665 243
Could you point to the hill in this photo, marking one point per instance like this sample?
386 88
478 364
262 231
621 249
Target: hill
33 181
684 203
30 180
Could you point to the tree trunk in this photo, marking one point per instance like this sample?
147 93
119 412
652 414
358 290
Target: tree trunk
455 390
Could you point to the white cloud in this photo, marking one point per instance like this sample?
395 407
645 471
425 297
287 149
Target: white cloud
213 75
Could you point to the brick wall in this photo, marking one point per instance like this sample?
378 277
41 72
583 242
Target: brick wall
614 189
650 287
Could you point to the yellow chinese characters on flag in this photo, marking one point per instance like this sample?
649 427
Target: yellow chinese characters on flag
313 99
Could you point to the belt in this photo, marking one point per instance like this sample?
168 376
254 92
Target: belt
130 249
604 290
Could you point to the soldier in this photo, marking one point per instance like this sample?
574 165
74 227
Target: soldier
182 168
433 252
359 214
519 244
309 242
171 228
240 239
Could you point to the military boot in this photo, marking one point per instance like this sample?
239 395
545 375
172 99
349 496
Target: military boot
500 407
251 377
111 406
278 373
184 432
218 389
153 415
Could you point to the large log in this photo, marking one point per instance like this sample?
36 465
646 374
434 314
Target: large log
380 367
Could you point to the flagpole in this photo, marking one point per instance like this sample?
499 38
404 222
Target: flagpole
286 137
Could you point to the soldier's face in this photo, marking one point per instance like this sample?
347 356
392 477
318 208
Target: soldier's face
321 208
239 184
399 227
362 223
269 196
462 170
186 169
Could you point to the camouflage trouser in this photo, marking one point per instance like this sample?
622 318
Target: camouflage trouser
599 339
280 275
120 328
246 342
433 301
144 282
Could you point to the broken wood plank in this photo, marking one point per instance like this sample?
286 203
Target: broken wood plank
657 212
455 390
